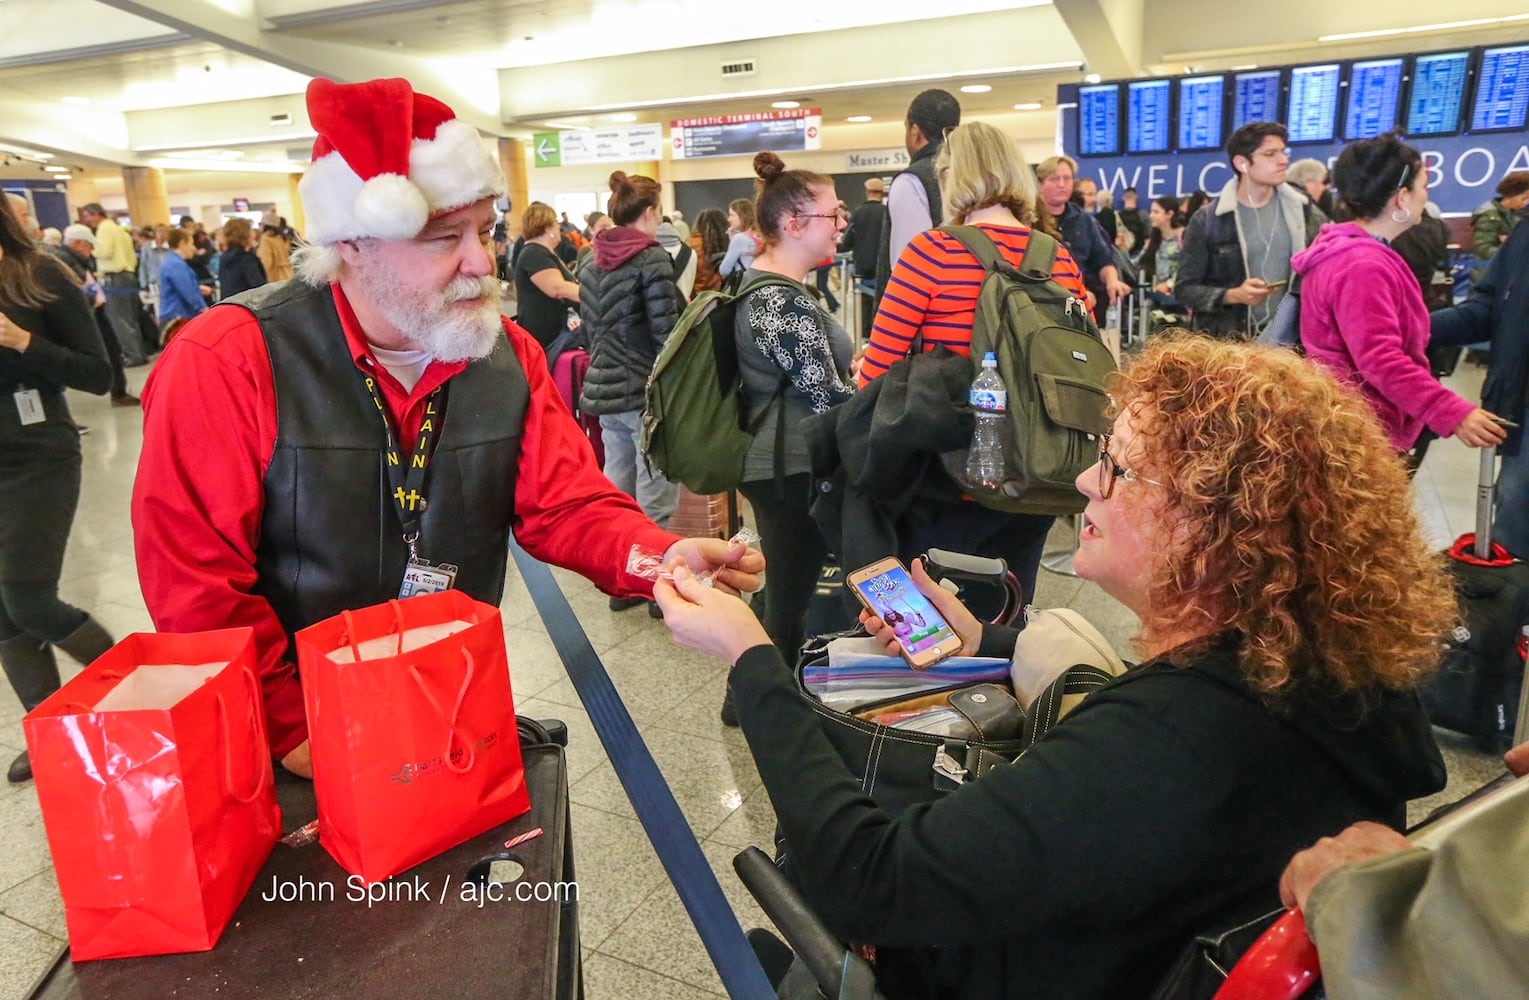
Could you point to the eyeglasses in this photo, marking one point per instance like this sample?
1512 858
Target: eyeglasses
1111 470
838 214
1272 154
1406 172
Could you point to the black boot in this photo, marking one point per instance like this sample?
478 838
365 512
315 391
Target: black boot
87 642
33 673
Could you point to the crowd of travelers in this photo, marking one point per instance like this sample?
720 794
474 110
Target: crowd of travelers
1249 504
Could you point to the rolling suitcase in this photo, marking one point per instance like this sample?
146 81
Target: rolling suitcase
568 375
1479 683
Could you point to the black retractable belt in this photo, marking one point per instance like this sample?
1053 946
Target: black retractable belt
666 826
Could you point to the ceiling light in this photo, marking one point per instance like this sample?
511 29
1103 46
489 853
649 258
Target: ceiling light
42 156
1417 29
1238 69
1028 106
57 170
785 105
567 126
63 177
76 100
858 118
624 118
1092 78
976 88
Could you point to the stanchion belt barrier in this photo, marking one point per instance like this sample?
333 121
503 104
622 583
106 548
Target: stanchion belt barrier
666 826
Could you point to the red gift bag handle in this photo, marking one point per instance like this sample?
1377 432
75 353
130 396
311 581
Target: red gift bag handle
1281 965
349 635
228 744
456 710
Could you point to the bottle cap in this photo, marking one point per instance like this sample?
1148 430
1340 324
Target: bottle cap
990 358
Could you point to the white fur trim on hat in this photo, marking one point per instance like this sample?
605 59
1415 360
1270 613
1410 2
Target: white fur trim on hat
452 170
455 168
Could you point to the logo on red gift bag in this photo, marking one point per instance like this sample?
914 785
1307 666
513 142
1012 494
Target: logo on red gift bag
408 773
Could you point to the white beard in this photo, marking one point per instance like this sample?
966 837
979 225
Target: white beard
436 324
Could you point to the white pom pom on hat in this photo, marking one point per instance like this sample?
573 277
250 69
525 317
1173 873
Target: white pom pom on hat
387 159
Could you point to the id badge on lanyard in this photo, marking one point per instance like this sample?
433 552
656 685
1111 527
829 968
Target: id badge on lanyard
29 407
420 575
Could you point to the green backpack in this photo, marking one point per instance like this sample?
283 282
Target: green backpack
694 426
1055 368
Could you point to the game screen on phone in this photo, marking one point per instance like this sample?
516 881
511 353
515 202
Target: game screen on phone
896 601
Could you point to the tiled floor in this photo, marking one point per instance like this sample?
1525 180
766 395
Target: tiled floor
638 941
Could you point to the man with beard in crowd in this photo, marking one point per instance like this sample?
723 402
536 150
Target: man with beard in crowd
293 435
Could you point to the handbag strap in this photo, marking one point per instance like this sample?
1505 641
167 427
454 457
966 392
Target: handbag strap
666 826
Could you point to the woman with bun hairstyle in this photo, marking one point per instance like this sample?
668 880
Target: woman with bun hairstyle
743 237
628 305
789 348
1362 312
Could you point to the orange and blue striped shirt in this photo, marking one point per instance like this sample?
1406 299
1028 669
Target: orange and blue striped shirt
934 288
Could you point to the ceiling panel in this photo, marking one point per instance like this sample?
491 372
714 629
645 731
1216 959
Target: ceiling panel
172 76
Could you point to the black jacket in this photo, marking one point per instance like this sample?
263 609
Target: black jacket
239 270
628 305
863 237
1167 804
1498 309
876 455
1214 260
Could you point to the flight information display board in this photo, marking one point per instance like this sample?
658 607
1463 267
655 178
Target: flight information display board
1313 114
1374 95
1202 111
1099 120
1502 90
1256 97
1149 125
1438 93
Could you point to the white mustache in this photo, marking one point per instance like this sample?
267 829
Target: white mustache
464 287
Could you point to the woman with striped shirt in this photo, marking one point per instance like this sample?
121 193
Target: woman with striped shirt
984 182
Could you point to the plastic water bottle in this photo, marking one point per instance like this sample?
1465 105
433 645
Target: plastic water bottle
990 400
1112 316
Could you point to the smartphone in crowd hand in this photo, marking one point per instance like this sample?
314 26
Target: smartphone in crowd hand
1277 284
888 592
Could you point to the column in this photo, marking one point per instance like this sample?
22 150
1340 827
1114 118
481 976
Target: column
512 160
297 220
148 200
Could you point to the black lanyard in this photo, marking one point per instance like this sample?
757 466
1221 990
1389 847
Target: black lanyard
408 484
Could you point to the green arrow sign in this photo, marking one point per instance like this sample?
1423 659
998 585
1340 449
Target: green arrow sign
548 149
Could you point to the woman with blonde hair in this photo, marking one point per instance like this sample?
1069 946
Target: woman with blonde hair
932 293
1252 514
744 242
543 287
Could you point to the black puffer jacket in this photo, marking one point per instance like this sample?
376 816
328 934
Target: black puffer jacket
628 305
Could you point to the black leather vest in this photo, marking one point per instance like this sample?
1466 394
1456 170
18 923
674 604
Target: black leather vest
922 167
330 538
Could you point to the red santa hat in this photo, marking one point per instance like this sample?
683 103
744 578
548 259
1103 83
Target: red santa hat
386 160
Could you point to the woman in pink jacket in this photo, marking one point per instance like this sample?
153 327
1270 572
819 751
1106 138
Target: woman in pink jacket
1362 313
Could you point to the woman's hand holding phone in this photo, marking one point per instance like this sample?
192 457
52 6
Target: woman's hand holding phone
965 624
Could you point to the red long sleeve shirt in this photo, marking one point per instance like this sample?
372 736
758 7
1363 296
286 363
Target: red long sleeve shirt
210 433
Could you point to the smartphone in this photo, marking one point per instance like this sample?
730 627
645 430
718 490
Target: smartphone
1504 422
1276 284
923 635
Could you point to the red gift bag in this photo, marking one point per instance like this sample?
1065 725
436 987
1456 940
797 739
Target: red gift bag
154 777
412 727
